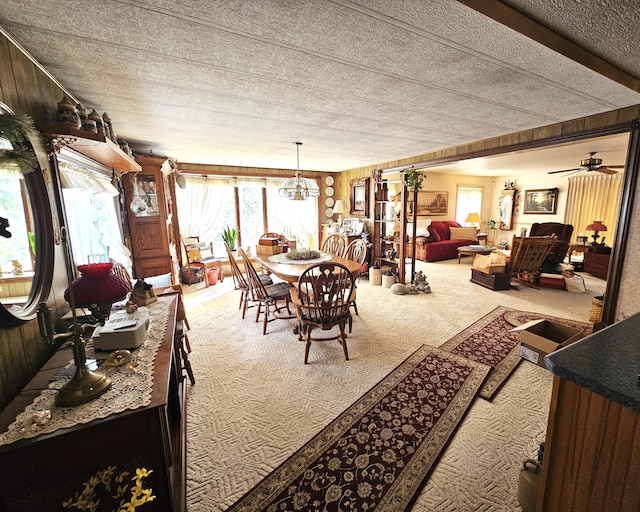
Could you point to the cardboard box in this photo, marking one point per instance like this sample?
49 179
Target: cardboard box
268 249
494 263
552 281
494 282
541 337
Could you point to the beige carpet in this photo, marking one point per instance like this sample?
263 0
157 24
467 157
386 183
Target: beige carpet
255 402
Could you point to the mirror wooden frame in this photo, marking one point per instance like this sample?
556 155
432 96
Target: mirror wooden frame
360 198
507 203
36 186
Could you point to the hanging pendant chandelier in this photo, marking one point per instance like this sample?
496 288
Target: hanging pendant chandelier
299 188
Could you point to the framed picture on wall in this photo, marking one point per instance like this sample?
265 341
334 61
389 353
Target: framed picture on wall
360 197
432 203
541 200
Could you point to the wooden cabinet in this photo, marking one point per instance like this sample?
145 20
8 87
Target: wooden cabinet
40 473
149 210
592 449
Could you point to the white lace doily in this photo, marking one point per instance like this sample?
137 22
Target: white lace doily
131 387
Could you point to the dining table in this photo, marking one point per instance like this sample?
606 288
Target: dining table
291 270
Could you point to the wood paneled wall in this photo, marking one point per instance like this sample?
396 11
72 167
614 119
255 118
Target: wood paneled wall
24 87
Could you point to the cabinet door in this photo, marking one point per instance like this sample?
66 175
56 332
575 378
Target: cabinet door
147 212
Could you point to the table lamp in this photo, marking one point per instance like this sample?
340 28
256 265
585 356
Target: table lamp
596 226
473 218
340 207
97 288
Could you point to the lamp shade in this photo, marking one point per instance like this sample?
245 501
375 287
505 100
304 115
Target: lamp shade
596 225
97 284
473 217
340 207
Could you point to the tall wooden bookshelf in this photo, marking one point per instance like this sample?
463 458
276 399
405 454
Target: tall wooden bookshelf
386 234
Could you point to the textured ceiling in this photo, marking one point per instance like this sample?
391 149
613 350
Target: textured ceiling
358 82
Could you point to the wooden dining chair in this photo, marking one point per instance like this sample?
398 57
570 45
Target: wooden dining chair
266 297
240 281
335 244
355 251
323 300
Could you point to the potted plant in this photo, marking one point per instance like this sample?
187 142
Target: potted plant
230 235
413 178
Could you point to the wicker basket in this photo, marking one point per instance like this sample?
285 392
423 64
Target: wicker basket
596 310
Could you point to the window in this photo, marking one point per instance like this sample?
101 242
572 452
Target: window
208 204
14 206
468 200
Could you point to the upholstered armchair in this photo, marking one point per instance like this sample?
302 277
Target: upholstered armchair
563 234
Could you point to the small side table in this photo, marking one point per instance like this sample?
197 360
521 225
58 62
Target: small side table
582 248
482 238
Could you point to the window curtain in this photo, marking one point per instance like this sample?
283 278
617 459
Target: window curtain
469 200
203 205
594 197
93 226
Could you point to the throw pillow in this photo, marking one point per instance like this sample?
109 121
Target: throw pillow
463 233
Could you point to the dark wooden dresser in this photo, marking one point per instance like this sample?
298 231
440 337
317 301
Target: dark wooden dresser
99 460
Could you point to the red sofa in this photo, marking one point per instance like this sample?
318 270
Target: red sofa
439 246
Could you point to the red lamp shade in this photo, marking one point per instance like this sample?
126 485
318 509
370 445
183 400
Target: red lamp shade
97 284
596 225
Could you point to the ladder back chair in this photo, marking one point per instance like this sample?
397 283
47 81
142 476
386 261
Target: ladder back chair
335 244
240 281
265 296
527 256
200 256
322 300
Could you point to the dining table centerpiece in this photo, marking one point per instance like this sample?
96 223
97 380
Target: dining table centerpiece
303 254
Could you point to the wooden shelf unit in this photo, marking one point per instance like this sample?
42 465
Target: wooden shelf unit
94 146
383 239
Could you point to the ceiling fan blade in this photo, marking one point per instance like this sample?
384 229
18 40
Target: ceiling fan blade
605 170
565 170
615 166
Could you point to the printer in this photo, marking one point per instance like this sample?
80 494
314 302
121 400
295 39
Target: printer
122 330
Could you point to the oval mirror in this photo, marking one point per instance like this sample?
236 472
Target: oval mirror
26 230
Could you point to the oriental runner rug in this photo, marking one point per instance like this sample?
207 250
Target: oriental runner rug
378 453
489 341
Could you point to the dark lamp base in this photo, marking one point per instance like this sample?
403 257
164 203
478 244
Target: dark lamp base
83 387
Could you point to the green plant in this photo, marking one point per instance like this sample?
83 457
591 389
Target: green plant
230 235
413 178
16 128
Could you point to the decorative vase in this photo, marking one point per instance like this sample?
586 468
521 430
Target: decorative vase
89 125
388 279
82 112
375 274
108 126
67 114
98 120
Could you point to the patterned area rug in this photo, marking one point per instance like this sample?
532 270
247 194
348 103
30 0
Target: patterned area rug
377 454
490 341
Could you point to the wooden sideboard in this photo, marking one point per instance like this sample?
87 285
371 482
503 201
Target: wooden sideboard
43 472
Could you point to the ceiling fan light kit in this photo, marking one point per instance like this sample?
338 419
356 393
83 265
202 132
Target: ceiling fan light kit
592 164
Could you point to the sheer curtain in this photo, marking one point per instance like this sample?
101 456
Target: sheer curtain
592 197
205 207
90 208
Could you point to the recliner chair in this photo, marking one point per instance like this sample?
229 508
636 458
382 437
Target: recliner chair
563 233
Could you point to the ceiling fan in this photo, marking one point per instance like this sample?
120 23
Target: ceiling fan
592 164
